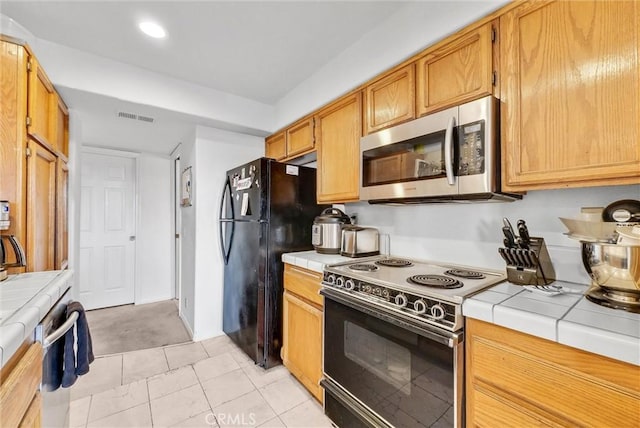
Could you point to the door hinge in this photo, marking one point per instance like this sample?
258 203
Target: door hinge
494 78
28 121
494 35
29 65
28 152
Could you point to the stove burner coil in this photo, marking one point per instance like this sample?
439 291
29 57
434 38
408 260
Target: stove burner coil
437 281
463 273
365 267
394 263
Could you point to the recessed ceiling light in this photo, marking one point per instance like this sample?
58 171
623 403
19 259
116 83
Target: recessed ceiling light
152 29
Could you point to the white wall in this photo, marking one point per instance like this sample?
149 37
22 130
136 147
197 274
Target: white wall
75 152
210 154
404 33
471 233
468 233
154 260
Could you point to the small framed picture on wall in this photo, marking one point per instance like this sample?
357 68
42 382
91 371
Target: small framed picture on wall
187 196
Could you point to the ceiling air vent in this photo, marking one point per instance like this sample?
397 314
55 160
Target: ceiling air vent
134 116
127 115
146 119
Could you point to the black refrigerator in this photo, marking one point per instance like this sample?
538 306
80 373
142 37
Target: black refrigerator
267 209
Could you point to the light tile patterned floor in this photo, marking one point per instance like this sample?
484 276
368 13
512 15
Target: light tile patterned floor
200 384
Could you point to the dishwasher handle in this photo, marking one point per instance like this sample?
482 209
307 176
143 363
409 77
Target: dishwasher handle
53 337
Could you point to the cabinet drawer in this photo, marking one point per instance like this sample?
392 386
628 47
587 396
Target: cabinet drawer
304 283
20 382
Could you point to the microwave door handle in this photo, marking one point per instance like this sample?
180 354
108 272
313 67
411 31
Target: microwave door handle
448 151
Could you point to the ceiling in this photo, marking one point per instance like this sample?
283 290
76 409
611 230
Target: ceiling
255 49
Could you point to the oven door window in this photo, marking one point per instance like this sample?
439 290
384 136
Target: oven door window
420 158
405 378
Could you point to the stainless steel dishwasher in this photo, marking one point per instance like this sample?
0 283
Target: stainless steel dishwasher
50 333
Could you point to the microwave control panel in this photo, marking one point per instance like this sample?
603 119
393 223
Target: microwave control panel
472 148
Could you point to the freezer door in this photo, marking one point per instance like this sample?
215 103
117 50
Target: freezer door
247 191
244 273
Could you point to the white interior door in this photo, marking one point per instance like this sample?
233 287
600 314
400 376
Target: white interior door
107 230
177 229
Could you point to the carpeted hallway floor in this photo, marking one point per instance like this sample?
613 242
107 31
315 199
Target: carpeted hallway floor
134 327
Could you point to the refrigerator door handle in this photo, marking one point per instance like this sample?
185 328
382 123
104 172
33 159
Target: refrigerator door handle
224 249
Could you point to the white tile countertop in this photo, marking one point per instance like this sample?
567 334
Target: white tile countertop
568 319
314 261
25 299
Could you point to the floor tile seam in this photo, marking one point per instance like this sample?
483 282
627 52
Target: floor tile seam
206 399
118 412
148 400
237 398
149 403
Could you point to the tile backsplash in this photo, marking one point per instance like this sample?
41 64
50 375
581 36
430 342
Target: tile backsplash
470 233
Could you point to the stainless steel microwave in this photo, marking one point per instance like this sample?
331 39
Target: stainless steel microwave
451 155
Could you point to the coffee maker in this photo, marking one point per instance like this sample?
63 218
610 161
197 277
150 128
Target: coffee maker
19 257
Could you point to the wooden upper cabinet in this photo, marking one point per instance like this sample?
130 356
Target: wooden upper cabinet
300 137
570 94
42 105
275 146
338 131
456 70
41 208
13 111
61 132
390 100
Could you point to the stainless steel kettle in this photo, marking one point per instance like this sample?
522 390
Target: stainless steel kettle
19 257
326 234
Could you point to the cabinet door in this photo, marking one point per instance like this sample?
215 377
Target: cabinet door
390 100
41 208
19 382
275 146
515 378
570 94
13 111
33 417
61 134
42 105
62 214
338 132
302 342
300 137
456 71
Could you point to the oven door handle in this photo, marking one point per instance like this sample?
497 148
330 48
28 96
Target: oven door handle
443 337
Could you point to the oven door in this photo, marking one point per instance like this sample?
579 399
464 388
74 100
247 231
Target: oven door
381 370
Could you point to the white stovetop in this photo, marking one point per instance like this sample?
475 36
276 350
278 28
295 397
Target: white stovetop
568 319
397 278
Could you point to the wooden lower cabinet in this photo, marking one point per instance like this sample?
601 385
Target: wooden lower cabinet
514 379
20 378
302 327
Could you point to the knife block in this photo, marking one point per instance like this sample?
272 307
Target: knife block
530 266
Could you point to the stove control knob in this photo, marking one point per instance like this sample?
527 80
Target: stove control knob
331 278
420 306
349 284
340 282
401 300
437 311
